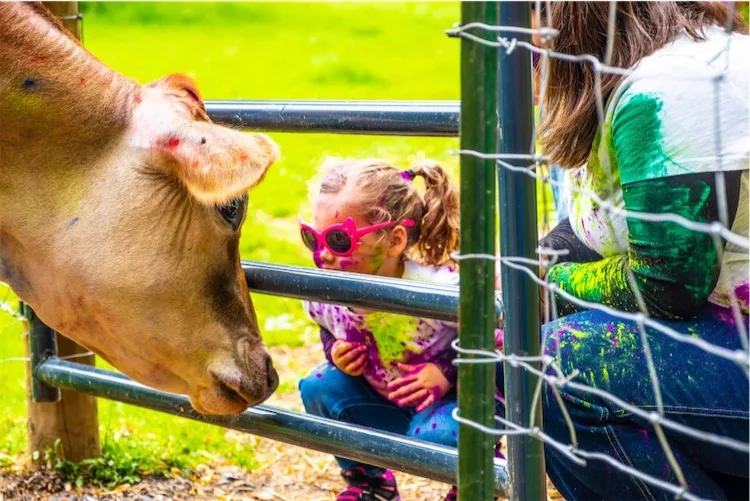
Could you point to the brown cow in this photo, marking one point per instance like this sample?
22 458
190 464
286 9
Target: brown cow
120 209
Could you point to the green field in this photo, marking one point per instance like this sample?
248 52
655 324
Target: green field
257 51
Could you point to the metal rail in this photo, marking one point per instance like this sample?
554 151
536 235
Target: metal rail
398 118
358 443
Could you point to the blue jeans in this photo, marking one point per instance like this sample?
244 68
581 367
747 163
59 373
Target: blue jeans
698 389
329 393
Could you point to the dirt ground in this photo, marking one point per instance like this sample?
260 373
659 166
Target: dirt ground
286 472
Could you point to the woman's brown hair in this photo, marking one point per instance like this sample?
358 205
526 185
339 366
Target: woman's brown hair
571 118
385 193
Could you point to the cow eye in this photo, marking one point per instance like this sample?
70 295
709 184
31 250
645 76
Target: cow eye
234 211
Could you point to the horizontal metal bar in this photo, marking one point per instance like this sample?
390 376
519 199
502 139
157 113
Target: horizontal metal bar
400 118
387 450
393 295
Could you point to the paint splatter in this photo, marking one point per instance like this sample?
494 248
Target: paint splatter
316 258
436 393
742 292
173 142
392 339
347 263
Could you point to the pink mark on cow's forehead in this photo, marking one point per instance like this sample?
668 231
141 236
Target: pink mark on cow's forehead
173 142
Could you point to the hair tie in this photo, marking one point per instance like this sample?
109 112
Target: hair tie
408 175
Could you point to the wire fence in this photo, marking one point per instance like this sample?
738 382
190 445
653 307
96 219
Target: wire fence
546 366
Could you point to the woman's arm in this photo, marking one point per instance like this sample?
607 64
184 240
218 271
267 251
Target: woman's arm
674 268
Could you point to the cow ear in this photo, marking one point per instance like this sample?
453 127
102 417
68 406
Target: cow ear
216 164
185 90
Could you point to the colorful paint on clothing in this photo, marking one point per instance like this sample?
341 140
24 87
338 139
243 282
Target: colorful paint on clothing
392 339
649 156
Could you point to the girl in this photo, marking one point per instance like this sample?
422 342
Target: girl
677 120
385 371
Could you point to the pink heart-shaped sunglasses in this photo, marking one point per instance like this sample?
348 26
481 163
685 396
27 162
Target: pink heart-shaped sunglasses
341 239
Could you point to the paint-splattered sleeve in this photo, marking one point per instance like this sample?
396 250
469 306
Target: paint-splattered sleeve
674 268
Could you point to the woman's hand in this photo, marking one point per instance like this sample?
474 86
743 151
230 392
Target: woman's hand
421 386
350 358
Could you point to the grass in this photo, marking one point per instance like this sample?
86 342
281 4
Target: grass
252 51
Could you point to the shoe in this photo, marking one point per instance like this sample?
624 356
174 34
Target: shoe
452 494
365 488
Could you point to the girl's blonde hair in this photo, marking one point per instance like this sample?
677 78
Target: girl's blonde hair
385 193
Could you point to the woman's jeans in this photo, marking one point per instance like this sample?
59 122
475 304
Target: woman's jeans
699 390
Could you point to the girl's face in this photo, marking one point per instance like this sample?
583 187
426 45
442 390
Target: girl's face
378 253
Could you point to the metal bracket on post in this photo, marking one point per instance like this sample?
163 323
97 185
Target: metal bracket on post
42 345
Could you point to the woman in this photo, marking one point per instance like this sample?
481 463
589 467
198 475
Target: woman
669 126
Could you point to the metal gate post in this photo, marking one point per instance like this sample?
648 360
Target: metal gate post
479 132
518 237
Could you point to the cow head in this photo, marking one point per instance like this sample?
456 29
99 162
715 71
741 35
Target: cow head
120 214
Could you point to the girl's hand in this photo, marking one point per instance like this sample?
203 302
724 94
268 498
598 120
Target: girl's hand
422 386
350 358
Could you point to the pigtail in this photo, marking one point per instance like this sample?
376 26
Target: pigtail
439 234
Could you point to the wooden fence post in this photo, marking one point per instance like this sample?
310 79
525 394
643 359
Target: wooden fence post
74 419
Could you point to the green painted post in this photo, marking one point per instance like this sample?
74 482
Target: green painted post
518 237
479 132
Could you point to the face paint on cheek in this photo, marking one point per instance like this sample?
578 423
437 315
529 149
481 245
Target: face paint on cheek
348 263
317 260
378 257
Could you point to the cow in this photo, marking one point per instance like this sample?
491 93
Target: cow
120 213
